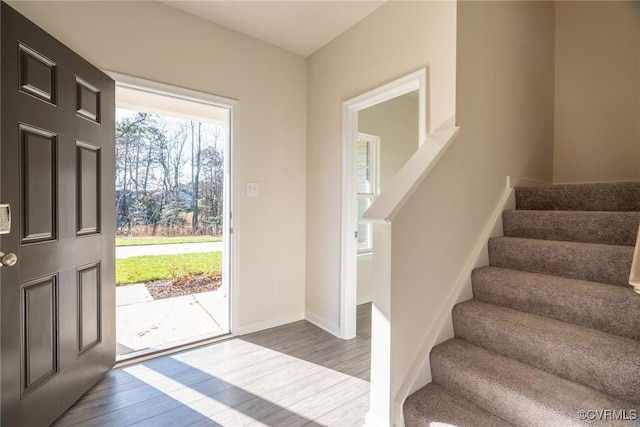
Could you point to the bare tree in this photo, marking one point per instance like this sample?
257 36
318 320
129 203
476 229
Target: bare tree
171 158
196 164
128 133
212 185
152 182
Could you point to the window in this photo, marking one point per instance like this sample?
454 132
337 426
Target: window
367 177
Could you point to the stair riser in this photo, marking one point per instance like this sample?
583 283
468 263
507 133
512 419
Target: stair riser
615 310
609 228
433 405
595 359
487 394
597 263
593 197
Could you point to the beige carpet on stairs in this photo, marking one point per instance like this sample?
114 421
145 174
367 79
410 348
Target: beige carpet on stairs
552 335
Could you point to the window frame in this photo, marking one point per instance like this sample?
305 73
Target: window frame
373 165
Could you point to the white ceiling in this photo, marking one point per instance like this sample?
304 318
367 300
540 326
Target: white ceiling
300 26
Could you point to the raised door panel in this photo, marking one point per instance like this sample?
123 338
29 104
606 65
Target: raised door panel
37 75
39 189
87 101
39 333
88 189
89 308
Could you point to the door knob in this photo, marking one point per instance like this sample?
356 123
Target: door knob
9 259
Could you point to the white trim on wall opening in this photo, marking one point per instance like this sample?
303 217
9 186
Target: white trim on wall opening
231 213
349 244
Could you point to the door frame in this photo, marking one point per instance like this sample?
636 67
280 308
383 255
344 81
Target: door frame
349 242
231 200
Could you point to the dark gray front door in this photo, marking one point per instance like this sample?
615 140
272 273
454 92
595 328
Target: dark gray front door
56 172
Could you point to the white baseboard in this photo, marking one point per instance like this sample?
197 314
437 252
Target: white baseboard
514 181
595 182
268 323
416 374
323 323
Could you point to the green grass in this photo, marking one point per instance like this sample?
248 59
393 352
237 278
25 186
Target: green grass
153 240
157 267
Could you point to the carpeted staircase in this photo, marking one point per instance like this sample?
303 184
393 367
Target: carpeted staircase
552 335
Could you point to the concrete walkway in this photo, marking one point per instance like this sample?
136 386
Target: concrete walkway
171 249
143 323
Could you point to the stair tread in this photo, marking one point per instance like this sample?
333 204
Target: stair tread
611 228
434 404
612 309
546 337
514 391
587 261
615 196
600 360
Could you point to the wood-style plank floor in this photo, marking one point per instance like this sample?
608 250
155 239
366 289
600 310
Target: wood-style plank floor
293 375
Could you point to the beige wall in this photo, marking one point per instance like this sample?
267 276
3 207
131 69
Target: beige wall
597 92
153 41
504 108
395 40
396 123
365 278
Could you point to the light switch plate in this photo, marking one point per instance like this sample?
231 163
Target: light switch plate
253 189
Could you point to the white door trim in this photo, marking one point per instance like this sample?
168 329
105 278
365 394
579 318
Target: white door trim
349 244
231 214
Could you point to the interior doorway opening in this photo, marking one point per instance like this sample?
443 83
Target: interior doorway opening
395 114
173 218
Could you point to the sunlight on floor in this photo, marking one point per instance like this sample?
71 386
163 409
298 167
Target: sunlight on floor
168 386
291 383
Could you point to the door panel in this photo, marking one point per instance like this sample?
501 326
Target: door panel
39 189
89 309
57 172
40 340
88 101
37 74
88 185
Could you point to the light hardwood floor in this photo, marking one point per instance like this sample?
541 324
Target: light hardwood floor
293 375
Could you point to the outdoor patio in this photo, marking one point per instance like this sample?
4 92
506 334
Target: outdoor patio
144 324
